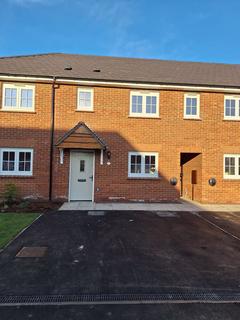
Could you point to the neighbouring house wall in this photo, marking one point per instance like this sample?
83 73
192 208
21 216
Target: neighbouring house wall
168 135
192 191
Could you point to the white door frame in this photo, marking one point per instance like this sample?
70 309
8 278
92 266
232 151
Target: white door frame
70 170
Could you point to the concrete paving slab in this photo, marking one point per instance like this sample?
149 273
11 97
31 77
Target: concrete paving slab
187 206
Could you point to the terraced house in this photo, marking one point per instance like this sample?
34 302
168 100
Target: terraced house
77 127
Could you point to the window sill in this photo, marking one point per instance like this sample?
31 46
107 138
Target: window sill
144 178
189 118
143 117
231 179
17 111
77 110
16 176
231 119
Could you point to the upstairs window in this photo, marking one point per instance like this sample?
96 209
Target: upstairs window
18 97
16 162
231 166
232 108
143 164
191 106
85 99
144 104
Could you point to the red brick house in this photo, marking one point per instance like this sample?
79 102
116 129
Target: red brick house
77 127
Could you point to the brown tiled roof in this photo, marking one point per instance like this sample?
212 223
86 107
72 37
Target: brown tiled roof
122 69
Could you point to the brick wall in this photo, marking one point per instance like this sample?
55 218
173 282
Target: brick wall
169 136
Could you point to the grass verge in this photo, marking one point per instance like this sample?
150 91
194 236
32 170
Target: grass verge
12 223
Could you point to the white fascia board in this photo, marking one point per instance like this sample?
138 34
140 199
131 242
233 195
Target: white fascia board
121 84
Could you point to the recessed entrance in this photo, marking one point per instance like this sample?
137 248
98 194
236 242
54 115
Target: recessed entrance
191 175
81 176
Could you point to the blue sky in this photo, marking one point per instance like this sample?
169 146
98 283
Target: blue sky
203 30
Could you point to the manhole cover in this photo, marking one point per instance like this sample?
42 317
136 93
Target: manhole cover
166 214
32 252
96 213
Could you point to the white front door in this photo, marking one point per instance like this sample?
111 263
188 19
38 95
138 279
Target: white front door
81 176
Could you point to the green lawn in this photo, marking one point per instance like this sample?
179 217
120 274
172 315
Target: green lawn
12 223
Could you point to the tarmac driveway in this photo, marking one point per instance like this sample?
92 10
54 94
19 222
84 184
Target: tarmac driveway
120 252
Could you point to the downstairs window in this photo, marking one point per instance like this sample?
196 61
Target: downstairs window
231 166
16 162
143 164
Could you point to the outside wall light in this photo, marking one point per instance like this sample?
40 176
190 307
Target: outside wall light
109 157
212 182
173 181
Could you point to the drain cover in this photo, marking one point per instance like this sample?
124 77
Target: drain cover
32 252
96 213
166 214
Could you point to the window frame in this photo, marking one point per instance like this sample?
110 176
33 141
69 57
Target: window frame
19 87
191 95
237 163
16 172
237 107
143 175
80 108
144 95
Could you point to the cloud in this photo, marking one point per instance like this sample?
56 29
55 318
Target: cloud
117 17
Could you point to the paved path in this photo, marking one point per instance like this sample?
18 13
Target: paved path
187 206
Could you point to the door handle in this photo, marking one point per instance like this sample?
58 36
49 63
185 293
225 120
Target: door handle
91 177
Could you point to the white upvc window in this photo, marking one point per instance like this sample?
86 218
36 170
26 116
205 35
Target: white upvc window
85 99
232 107
231 165
143 164
16 161
18 97
191 106
144 104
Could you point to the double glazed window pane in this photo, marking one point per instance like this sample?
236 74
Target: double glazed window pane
85 99
137 102
151 104
150 166
191 106
135 164
26 98
10 97
24 163
8 163
230 166
230 107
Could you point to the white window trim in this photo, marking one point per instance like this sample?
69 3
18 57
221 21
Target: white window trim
144 96
18 87
80 108
16 172
237 101
142 175
236 176
191 95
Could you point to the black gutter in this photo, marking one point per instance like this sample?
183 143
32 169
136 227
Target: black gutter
52 139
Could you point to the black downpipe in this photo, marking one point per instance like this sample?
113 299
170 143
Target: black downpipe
52 139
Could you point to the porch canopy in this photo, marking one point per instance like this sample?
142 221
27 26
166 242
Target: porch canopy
81 137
